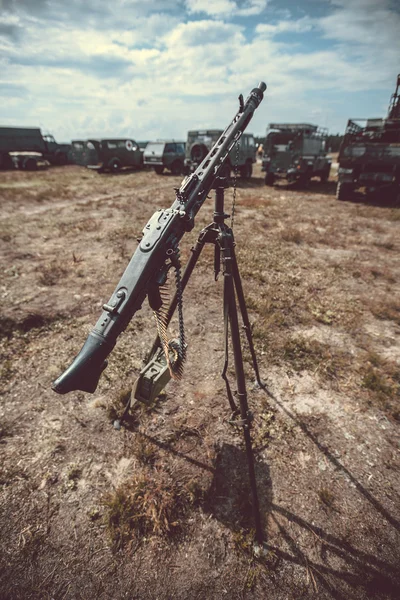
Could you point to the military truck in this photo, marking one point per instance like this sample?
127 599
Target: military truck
296 152
112 154
165 154
25 147
242 156
369 156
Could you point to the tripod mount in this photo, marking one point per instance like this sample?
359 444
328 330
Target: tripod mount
155 375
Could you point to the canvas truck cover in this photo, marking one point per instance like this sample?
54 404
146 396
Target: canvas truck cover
21 139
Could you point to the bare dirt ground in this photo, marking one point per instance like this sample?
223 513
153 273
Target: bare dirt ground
161 509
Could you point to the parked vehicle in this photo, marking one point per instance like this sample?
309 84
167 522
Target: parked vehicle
165 154
112 154
369 156
296 152
25 147
242 156
77 154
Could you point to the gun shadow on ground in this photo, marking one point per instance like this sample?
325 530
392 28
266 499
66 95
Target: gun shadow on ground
228 500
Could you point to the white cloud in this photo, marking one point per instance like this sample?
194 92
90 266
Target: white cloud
203 33
226 8
158 76
298 26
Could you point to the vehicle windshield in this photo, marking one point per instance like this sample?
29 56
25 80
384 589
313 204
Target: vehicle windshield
155 148
205 137
279 139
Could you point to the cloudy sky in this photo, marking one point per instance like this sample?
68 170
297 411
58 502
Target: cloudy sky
156 68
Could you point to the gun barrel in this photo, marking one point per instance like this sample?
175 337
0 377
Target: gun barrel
148 266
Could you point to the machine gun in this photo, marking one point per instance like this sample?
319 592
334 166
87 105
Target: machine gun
158 250
146 275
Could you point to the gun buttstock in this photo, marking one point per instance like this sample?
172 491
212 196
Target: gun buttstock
85 370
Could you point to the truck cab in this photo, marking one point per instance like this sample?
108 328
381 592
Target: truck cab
242 156
296 152
55 153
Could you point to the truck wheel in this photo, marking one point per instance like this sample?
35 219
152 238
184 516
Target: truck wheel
61 159
115 165
246 171
159 170
344 191
304 180
30 164
269 179
6 162
176 168
325 174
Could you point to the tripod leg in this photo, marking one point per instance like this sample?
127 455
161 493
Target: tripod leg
226 361
230 303
245 317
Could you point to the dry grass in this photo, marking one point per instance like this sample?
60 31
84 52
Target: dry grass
292 235
386 310
150 503
319 336
51 273
75 226
326 497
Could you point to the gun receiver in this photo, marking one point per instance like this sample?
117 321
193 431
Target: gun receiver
149 265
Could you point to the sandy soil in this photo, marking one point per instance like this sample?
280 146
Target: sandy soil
161 509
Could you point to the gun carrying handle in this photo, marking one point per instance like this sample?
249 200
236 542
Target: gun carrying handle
85 370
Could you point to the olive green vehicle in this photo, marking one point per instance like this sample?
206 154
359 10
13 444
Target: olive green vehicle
369 156
165 154
26 148
112 155
242 156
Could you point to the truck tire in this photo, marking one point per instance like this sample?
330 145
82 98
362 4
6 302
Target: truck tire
30 164
6 162
246 171
115 165
176 168
61 159
269 179
304 180
344 191
325 174
159 169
